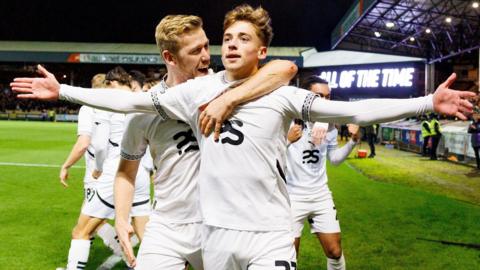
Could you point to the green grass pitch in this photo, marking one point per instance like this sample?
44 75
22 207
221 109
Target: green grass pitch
385 206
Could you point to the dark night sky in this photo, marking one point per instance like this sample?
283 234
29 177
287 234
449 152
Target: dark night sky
295 22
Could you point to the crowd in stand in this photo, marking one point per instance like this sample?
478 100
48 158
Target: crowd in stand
8 102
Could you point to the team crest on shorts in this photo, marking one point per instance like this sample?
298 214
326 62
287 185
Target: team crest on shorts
89 193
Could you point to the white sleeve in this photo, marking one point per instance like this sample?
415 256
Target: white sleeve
100 136
178 102
85 121
364 112
109 99
134 142
338 155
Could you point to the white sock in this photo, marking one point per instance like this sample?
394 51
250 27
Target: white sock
336 264
110 239
78 254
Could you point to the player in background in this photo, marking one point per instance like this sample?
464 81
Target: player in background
81 148
307 181
243 197
97 208
108 133
138 80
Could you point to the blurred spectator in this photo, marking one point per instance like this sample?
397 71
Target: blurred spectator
371 133
474 129
44 115
8 102
343 132
436 133
426 134
51 115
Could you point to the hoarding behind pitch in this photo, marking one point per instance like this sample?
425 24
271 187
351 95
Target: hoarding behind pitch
390 80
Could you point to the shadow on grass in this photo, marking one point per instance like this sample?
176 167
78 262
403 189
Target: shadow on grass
473 173
451 243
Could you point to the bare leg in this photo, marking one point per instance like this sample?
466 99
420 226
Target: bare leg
86 226
138 224
297 245
331 244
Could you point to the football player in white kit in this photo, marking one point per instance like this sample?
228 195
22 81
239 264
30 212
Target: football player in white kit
173 234
242 191
310 197
81 148
98 206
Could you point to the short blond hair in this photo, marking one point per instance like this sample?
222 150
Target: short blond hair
171 27
98 81
259 17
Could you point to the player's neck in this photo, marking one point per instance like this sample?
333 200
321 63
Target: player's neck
236 75
174 78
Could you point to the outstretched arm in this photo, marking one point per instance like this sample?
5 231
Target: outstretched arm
274 74
365 112
124 189
48 88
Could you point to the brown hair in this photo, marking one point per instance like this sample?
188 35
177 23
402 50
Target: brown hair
118 74
150 82
171 27
259 17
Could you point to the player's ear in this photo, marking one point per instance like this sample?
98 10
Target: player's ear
168 57
262 53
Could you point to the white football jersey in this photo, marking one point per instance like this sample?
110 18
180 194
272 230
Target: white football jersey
306 166
85 127
176 157
241 179
111 136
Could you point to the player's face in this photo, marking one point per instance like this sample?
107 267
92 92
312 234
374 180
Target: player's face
242 49
321 89
193 57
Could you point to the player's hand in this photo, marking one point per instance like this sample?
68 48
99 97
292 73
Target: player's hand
452 102
64 176
354 130
214 114
319 132
96 174
124 231
295 133
43 88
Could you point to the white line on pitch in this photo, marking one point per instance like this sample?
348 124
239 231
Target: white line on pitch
35 165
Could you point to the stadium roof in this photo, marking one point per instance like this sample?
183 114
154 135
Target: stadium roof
432 29
110 53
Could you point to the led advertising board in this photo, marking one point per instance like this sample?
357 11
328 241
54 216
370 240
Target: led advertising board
391 80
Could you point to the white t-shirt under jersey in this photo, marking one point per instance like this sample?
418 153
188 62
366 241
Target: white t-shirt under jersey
241 180
85 127
176 156
306 166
